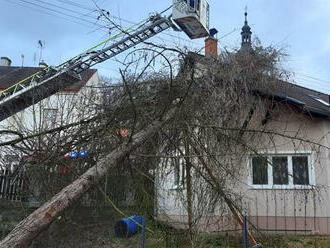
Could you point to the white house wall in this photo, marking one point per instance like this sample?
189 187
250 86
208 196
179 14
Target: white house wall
286 210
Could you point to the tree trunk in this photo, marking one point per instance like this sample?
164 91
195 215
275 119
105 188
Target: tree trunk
189 192
235 211
29 228
189 201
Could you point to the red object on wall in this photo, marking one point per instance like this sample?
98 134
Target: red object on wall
124 132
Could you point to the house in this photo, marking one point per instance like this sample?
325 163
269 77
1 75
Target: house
54 109
67 106
283 184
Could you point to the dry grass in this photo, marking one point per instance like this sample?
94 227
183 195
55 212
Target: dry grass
92 229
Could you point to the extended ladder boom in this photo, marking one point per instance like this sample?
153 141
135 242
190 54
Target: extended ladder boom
52 79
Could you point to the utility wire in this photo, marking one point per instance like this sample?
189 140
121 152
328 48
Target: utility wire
89 9
68 2
93 19
48 13
128 21
63 8
166 9
61 13
74 4
88 21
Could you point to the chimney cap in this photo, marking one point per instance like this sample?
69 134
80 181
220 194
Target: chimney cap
213 32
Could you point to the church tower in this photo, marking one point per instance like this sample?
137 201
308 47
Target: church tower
246 33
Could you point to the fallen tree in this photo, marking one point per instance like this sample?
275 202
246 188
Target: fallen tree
211 131
29 228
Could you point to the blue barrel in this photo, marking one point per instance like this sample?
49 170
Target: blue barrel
126 227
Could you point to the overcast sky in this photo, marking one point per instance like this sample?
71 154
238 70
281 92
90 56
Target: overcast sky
68 27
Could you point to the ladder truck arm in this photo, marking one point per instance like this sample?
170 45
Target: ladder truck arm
52 79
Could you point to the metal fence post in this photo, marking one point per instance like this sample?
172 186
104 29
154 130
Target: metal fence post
245 242
143 236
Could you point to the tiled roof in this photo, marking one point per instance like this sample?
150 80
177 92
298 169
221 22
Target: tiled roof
309 101
10 75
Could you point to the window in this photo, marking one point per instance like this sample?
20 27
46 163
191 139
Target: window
282 171
178 172
259 165
300 170
192 3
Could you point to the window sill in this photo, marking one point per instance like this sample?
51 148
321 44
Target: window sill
281 187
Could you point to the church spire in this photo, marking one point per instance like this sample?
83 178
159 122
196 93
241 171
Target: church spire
246 32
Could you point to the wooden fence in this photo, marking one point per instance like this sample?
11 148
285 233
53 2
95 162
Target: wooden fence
11 185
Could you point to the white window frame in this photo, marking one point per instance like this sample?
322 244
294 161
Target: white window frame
270 185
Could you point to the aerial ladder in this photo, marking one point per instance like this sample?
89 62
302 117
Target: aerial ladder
52 79
190 15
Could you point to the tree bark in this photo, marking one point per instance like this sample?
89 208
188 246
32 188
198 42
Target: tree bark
189 192
29 228
189 201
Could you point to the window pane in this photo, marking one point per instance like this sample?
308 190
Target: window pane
179 172
192 3
176 171
300 170
259 170
280 170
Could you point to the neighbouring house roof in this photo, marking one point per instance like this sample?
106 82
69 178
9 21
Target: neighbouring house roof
9 75
309 101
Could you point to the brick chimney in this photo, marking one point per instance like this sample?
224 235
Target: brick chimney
211 46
